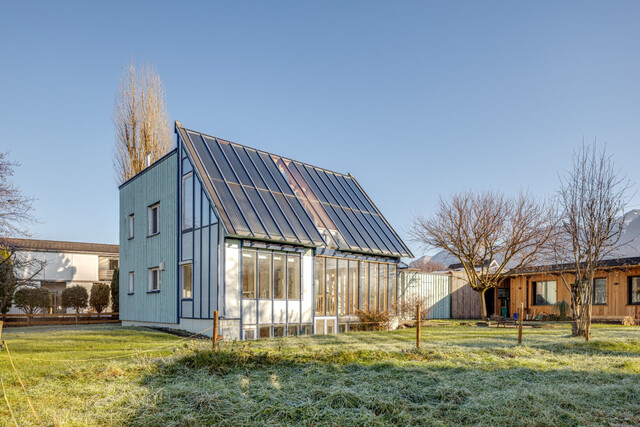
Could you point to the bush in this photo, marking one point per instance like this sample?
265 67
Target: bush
32 300
75 297
407 307
628 321
562 310
115 291
372 321
99 299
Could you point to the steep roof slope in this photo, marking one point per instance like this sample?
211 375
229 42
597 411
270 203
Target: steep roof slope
264 196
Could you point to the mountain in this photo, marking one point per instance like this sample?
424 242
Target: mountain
628 246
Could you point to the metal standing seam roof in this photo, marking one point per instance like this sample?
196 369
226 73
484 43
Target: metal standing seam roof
264 196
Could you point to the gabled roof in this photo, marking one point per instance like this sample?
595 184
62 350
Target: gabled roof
264 196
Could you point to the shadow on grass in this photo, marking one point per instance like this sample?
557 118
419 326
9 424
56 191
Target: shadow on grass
363 387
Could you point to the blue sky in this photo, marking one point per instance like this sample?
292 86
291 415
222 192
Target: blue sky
416 99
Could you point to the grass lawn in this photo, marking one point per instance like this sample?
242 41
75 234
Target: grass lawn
462 376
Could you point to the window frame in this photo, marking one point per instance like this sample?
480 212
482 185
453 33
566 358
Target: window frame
132 282
629 294
182 200
150 209
150 288
183 265
535 292
605 291
247 253
132 218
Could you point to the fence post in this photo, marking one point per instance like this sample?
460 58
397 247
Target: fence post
418 326
215 330
520 315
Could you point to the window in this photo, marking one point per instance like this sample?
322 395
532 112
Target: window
113 264
154 219
248 274
131 282
265 331
293 330
154 279
600 291
279 330
373 287
634 290
545 292
319 286
293 276
131 222
343 277
264 275
331 285
249 333
187 284
382 285
364 286
187 202
353 287
279 276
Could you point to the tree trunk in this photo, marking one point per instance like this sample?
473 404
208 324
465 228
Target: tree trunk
483 305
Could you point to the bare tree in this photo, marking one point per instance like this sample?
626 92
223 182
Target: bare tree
16 209
481 227
592 200
141 122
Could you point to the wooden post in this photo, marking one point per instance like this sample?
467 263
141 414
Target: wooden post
418 326
520 315
215 330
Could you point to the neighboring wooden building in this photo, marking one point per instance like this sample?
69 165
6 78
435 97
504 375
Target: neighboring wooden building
617 290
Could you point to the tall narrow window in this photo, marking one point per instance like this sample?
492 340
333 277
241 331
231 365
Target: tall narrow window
154 279
634 290
131 224
279 276
187 202
331 274
197 209
393 290
600 291
373 287
154 219
319 286
264 275
131 282
343 278
364 286
248 274
293 277
382 286
187 283
353 287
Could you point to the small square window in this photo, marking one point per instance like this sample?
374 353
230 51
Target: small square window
293 330
249 333
278 331
545 292
265 331
154 279
154 219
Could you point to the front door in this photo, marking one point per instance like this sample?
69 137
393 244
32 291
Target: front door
503 302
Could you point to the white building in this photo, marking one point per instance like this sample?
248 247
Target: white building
66 264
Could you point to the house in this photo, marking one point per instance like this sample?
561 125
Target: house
277 246
62 264
617 289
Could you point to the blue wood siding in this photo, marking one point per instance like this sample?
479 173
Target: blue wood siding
199 243
431 289
156 184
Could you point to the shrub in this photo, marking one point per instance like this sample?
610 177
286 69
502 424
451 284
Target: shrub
99 299
373 321
562 310
628 321
32 300
8 282
407 307
75 297
115 291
